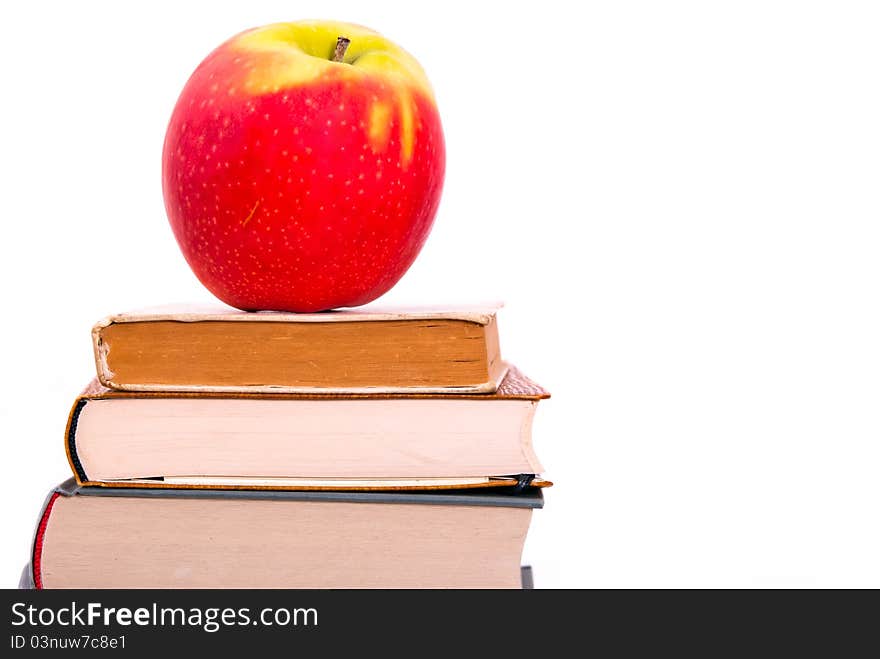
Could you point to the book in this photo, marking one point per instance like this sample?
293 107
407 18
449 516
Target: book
306 441
349 351
145 538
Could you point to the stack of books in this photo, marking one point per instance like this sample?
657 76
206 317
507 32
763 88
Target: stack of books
354 449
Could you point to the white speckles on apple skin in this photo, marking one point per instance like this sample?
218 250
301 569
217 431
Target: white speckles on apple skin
317 241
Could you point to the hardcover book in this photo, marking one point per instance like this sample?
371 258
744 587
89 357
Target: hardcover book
148 538
306 441
354 351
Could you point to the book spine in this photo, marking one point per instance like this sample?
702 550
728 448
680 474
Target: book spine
105 376
37 551
70 440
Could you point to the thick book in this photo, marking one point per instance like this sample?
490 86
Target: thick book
307 441
146 538
361 350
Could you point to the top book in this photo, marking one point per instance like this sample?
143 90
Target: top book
366 350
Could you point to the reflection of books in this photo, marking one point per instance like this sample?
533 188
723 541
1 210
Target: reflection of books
299 441
136 538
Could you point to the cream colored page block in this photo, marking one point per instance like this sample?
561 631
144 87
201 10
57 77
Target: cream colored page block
395 438
225 543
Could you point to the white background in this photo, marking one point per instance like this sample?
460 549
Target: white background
678 202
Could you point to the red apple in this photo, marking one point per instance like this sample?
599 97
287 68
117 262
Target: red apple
296 182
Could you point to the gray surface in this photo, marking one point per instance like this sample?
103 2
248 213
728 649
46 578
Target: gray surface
26 582
27 578
528 581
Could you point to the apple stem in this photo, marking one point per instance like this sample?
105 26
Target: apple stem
341 47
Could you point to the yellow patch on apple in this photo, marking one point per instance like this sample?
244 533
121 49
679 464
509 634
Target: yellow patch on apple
296 53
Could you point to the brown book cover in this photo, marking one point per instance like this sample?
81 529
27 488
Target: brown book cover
307 441
364 350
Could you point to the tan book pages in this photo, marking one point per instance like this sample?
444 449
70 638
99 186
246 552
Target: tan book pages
365 350
187 542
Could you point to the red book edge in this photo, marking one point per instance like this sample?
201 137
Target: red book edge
38 542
